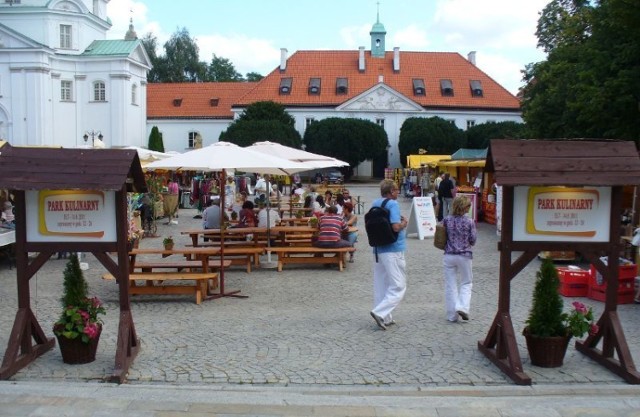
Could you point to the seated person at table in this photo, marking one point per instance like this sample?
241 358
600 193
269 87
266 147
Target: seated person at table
211 215
298 191
247 216
328 198
339 203
352 221
346 196
330 229
274 217
319 206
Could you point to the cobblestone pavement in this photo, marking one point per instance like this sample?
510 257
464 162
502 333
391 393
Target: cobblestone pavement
308 326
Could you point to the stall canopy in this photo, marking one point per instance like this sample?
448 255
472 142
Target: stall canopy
419 161
463 153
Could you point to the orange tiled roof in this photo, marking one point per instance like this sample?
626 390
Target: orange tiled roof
195 99
429 66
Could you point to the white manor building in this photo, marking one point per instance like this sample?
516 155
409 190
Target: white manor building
62 80
385 87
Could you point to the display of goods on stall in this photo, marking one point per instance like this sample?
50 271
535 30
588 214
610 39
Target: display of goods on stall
489 207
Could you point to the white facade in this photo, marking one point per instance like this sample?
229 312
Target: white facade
61 79
177 132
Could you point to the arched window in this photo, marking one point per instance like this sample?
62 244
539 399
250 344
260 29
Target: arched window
99 91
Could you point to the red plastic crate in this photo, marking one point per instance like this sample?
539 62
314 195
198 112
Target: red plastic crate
626 281
573 282
626 277
624 297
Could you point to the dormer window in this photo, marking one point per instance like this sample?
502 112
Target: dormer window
418 87
476 88
285 86
446 88
342 86
177 102
314 86
214 102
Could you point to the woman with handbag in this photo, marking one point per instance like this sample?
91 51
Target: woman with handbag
461 236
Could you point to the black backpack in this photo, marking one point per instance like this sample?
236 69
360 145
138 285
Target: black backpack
378 226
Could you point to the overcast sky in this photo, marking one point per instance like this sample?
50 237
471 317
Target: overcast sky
250 33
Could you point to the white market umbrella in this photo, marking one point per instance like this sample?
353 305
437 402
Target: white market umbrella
298 155
225 156
147 156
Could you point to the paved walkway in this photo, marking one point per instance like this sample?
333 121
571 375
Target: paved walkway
304 338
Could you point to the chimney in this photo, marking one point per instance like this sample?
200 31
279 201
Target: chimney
283 59
472 57
396 59
361 59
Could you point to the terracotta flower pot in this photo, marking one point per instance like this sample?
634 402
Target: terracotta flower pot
546 352
75 351
168 246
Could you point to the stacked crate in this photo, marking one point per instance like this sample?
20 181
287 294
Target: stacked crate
574 282
626 278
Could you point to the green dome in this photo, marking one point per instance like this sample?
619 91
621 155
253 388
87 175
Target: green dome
378 28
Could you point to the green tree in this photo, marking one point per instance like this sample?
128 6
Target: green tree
589 86
350 140
253 76
436 135
248 132
263 120
155 140
267 110
183 62
221 69
478 136
158 64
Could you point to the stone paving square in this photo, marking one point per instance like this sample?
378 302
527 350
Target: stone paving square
308 326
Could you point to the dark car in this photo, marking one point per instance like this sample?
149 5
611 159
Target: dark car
333 176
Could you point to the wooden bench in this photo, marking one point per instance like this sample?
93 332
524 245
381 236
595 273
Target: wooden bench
242 256
179 265
203 283
310 255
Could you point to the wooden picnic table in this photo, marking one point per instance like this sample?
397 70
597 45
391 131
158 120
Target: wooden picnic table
200 254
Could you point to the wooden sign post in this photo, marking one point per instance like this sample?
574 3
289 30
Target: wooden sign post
72 200
561 195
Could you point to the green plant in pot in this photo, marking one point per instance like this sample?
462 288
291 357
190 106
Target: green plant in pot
168 242
549 329
79 327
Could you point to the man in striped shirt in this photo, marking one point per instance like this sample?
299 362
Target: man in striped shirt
331 227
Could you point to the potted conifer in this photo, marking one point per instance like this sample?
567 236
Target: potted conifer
549 329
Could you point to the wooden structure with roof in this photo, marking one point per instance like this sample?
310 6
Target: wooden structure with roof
36 169
578 163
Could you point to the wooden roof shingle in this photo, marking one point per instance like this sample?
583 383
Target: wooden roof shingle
571 162
78 169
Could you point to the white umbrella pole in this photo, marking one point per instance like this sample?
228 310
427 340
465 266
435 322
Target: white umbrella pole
269 263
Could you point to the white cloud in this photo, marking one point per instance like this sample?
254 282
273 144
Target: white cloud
354 37
504 70
246 54
411 38
489 23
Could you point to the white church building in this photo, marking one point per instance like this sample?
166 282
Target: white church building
62 83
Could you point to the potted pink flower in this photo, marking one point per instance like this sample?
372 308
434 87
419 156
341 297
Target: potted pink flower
79 327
